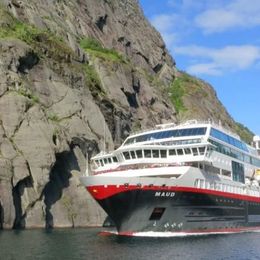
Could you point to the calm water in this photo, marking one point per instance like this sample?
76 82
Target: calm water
87 244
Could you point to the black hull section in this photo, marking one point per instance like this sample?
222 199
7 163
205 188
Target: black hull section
180 211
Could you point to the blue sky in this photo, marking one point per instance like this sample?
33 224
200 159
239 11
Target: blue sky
219 42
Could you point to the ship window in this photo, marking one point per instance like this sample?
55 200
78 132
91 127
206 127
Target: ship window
147 153
133 154
115 159
97 163
179 151
172 152
228 139
139 153
201 150
155 153
126 155
195 151
247 158
101 162
163 153
157 213
105 161
166 134
109 160
255 162
238 172
226 173
212 169
187 151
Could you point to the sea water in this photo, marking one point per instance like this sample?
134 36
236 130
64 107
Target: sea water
87 243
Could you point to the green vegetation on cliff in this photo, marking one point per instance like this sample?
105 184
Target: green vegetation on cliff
195 99
94 47
44 42
176 94
244 133
93 81
185 85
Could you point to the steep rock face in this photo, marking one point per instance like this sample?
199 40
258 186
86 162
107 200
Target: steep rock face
58 101
44 121
76 78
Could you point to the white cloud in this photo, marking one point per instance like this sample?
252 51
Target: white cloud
163 22
216 61
169 27
217 20
237 13
237 57
204 68
183 19
170 38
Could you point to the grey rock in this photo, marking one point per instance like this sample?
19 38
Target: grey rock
53 112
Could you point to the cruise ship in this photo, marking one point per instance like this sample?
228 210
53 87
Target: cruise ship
192 178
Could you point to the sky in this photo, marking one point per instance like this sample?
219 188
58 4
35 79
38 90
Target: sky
219 42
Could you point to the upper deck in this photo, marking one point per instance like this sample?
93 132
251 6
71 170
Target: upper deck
189 142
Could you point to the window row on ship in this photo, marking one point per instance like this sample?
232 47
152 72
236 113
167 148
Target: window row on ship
221 148
166 134
153 154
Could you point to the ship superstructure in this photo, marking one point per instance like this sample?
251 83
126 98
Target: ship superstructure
193 177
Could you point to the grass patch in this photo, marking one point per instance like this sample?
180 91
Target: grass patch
53 117
176 95
186 85
43 42
245 134
94 47
27 93
93 81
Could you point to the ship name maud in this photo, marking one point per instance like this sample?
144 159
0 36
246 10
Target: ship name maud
164 194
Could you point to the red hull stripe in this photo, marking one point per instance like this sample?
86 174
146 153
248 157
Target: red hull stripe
208 231
100 192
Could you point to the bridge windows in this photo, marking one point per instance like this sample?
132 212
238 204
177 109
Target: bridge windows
163 153
126 155
195 151
155 153
115 160
139 153
179 151
187 150
202 150
172 152
133 154
147 154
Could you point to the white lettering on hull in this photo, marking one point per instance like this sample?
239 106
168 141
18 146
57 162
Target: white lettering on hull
164 194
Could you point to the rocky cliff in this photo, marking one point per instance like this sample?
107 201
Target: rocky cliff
73 72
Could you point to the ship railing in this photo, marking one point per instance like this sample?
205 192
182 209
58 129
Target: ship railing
224 187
